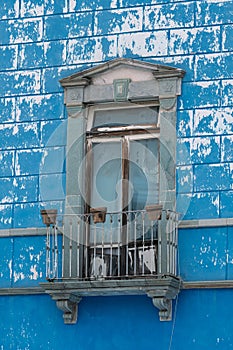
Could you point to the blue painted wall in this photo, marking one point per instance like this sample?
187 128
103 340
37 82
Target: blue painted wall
43 41
119 323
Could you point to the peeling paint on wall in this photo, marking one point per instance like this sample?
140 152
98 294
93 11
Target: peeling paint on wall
45 41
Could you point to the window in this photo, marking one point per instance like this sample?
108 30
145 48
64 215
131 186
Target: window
119 227
123 166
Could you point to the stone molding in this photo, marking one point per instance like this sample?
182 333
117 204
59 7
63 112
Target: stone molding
184 224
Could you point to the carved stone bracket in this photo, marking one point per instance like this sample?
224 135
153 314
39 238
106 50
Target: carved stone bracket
165 308
68 294
70 310
167 103
163 295
74 111
67 303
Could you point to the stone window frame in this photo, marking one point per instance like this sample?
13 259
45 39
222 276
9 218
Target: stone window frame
86 89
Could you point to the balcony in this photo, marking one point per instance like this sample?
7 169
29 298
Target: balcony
101 253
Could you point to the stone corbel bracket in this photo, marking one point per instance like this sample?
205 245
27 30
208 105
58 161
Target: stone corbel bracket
68 304
162 290
162 298
70 310
165 307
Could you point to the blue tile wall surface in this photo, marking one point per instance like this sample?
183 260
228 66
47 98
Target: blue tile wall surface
43 41
203 254
28 267
40 107
7 110
72 25
6 256
35 322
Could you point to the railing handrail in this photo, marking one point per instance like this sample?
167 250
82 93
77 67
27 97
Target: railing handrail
118 212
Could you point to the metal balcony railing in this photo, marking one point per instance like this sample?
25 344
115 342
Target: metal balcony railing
120 245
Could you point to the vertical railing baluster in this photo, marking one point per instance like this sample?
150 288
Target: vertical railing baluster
94 252
172 242
63 248
151 245
55 252
102 248
168 239
52 250
171 225
48 252
78 247
164 239
160 248
118 245
143 243
172 232
175 243
127 246
135 244
111 237
70 247
86 219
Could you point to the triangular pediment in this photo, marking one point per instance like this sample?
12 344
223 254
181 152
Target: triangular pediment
120 68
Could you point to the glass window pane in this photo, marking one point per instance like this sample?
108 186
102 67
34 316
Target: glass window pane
106 191
143 173
144 185
132 116
106 176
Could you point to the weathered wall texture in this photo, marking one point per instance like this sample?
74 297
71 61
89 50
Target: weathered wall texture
42 41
